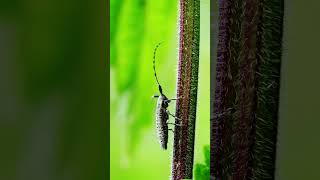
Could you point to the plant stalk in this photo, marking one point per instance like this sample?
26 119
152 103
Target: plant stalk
245 108
187 87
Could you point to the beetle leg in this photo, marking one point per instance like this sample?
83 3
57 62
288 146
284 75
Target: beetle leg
168 112
177 98
173 99
154 96
174 124
167 101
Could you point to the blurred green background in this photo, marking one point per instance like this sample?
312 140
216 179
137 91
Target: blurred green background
53 90
136 27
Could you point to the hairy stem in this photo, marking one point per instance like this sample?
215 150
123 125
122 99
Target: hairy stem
269 51
244 119
222 85
187 85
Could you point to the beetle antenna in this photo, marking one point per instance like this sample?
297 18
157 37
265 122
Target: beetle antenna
154 66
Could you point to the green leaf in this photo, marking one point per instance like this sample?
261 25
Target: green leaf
202 171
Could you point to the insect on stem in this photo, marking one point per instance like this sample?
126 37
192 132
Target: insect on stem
162 113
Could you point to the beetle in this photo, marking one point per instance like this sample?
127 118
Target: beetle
162 113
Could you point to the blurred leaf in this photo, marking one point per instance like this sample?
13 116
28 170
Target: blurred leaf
129 43
206 150
202 171
115 10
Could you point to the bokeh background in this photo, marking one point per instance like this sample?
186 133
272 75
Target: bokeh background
53 90
136 27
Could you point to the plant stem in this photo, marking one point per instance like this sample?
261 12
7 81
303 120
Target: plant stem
244 119
187 85
222 85
269 51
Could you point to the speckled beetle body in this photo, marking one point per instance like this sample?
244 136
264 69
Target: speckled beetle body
161 120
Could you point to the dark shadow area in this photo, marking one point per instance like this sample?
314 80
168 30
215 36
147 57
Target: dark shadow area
53 90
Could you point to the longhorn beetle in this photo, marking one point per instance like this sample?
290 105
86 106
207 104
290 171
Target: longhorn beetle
162 113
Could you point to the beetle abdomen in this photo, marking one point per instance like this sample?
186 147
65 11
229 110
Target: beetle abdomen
161 122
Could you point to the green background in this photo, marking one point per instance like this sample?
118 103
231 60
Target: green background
53 90
298 138
137 26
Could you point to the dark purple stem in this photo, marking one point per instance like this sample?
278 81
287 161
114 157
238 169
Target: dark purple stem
218 120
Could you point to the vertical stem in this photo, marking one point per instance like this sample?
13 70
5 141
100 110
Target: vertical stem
244 119
217 122
245 124
269 51
187 85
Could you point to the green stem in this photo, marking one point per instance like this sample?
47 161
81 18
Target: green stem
187 85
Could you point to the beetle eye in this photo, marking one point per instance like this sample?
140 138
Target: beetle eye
165 104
